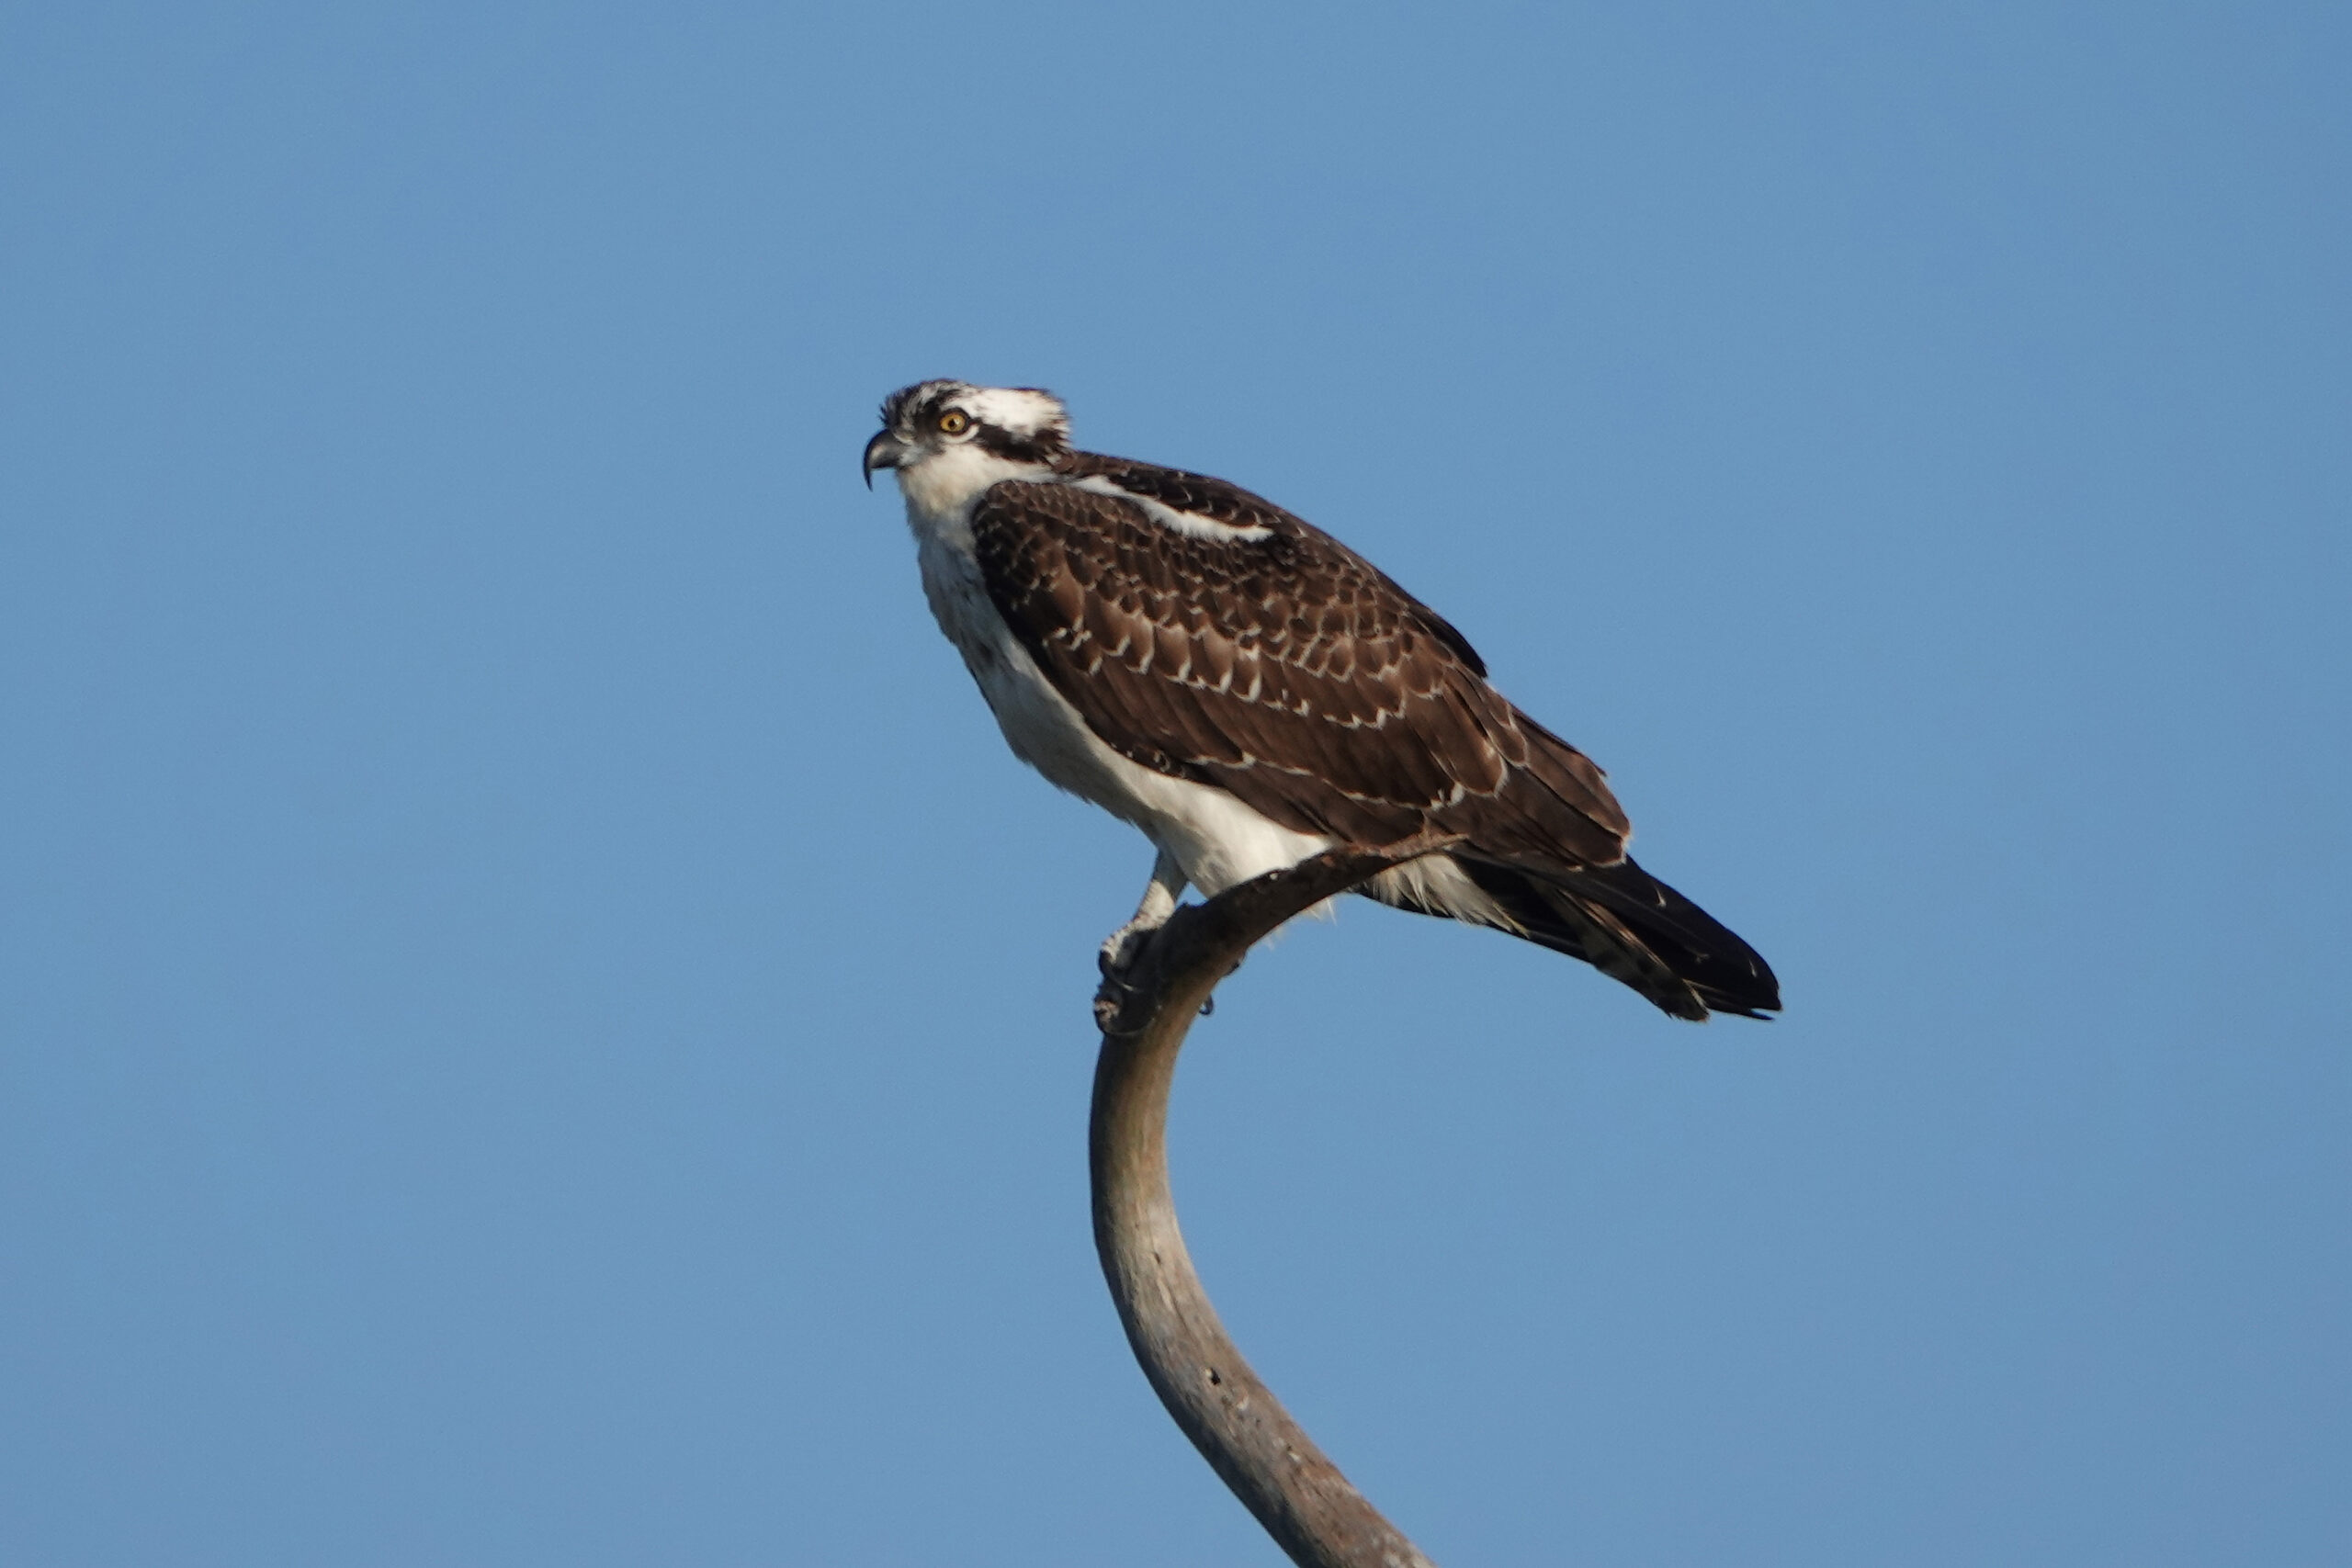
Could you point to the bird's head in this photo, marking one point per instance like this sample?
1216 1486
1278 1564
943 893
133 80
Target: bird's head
947 437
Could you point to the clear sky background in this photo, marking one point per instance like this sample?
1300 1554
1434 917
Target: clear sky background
539 1023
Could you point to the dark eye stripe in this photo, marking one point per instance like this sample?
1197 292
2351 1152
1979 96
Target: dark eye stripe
1042 447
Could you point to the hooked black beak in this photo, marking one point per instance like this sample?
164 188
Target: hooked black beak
883 452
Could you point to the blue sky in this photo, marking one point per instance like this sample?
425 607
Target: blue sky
539 1023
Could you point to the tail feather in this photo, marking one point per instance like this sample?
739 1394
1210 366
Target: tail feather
1631 926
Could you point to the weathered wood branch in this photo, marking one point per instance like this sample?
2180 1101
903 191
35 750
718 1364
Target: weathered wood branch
1240 1428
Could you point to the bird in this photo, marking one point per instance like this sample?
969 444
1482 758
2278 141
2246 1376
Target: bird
1250 693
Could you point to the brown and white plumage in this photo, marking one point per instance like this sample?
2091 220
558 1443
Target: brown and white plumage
1249 691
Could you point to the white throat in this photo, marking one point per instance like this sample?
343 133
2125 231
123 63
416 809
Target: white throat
941 489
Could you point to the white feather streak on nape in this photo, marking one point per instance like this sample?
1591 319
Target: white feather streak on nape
1186 523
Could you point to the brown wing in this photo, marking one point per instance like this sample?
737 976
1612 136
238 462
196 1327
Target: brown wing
1285 669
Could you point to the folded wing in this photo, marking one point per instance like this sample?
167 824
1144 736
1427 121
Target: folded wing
1261 656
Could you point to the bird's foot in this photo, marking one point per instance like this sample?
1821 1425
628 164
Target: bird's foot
1122 948
1110 1000
1117 960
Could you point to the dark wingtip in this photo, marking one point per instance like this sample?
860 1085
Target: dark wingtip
1708 969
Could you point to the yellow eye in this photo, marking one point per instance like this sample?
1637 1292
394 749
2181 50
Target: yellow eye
954 422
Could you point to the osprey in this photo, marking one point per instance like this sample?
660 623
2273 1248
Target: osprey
1250 691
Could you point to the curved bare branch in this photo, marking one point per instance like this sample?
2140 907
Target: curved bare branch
1299 1496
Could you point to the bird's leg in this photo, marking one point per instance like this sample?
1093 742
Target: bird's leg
1121 947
